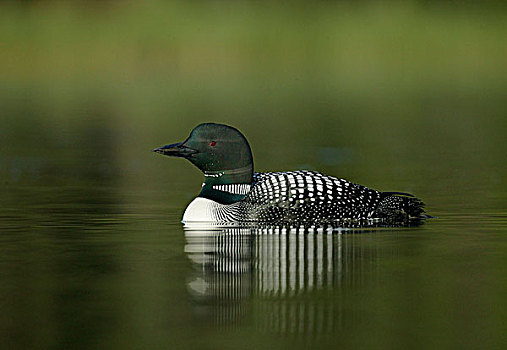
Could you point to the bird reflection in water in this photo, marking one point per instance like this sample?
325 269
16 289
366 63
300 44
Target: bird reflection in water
222 281
281 280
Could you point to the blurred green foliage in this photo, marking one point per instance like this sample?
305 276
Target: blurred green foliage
372 46
397 95
412 82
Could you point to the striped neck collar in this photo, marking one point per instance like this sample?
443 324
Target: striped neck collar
241 189
227 186
246 170
224 193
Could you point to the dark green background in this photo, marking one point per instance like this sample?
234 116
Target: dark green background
402 96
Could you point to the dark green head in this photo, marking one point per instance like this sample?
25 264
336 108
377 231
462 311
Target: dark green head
221 152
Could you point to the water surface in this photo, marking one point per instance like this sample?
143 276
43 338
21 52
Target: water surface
92 266
403 97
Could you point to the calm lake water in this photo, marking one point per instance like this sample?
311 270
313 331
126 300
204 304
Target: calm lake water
93 254
407 96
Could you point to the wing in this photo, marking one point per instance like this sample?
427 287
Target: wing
306 196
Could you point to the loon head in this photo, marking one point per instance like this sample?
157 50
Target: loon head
222 153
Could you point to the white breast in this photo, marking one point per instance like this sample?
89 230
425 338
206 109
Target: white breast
200 209
206 210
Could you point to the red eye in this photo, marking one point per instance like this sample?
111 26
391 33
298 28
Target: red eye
212 143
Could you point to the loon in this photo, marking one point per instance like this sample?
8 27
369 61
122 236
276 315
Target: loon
233 193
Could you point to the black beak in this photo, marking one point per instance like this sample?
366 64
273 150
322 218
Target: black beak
175 150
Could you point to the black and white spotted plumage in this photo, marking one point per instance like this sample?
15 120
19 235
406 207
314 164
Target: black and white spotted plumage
311 197
304 196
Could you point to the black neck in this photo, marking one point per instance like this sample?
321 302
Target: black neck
237 176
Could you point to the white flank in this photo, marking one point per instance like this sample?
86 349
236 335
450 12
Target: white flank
206 210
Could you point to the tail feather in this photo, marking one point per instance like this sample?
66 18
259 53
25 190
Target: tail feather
387 194
399 206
